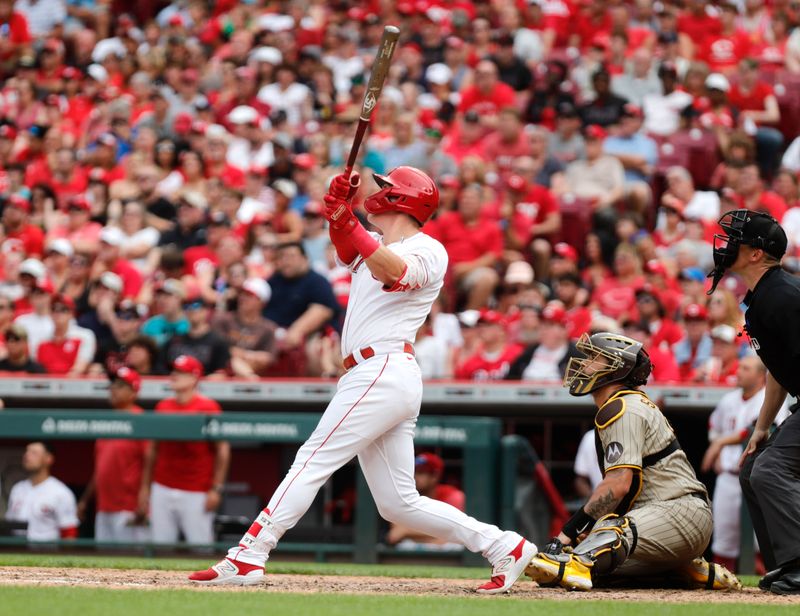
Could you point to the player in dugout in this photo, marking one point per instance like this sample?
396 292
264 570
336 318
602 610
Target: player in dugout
649 516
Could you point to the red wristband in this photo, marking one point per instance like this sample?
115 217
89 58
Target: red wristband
344 247
362 241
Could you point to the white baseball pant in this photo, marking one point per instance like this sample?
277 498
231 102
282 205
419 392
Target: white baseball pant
117 527
372 415
727 508
173 511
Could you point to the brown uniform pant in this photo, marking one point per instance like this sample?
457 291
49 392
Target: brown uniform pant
670 534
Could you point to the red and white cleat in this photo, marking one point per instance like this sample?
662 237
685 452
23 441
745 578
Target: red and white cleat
508 569
230 572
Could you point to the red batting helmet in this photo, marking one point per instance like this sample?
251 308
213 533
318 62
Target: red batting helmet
406 190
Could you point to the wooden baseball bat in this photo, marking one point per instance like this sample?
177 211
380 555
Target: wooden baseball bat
380 68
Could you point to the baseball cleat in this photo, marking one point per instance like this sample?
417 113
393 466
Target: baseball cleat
710 576
230 572
564 570
508 569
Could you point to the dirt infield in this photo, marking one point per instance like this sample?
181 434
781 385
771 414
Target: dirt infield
304 584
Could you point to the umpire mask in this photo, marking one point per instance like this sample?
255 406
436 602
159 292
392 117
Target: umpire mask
754 229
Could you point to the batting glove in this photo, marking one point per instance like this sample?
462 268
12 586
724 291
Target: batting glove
345 188
338 214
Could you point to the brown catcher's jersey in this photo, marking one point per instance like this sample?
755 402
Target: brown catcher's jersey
631 432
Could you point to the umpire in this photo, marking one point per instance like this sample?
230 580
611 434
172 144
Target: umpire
752 247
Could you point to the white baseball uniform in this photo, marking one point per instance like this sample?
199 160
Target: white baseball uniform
373 415
48 507
586 464
733 414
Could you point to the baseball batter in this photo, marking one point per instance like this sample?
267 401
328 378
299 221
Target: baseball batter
397 276
649 514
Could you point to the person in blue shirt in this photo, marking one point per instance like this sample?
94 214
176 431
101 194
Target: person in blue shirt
171 321
303 300
638 155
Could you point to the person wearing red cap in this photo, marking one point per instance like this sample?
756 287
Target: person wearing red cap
71 348
495 356
62 172
17 225
118 465
15 31
546 361
182 481
428 470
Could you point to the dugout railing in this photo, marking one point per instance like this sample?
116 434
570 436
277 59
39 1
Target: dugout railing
477 437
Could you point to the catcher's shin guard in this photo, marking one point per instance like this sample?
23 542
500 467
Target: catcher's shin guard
604 549
607 546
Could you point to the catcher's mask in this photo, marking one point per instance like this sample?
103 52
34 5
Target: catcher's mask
608 358
754 229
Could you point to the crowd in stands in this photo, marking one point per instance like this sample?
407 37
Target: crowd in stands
162 172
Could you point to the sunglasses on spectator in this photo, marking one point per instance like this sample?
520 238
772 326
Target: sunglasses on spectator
13 338
196 305
6 307
127 316
61 309
79 262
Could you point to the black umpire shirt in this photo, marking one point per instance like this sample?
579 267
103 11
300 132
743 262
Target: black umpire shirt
772 321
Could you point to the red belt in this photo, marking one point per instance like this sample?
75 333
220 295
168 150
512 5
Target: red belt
350 361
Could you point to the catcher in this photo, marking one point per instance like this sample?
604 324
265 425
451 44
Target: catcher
650 515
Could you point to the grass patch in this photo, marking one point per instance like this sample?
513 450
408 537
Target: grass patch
101 602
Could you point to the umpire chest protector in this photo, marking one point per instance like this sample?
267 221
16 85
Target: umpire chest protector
609 453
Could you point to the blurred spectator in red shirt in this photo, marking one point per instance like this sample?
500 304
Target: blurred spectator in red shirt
495 356
723 50
752 195
474 244
14 32
488 95
78 228
665 368
71 349
569 290
697 23
721 367
528 215
117 477
508 142
759 114
546 361
616 296
182 481
17 225
694 350
109 259
652 315
428 470
465 138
